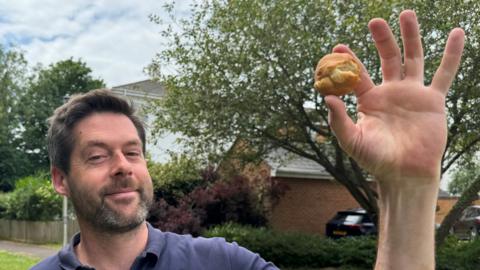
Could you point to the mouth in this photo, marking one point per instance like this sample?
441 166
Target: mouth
123 194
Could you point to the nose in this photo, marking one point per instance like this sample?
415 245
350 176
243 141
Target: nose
121 165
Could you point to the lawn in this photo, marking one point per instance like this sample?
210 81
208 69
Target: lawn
15 261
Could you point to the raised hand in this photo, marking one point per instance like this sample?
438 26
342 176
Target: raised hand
401 129
399 137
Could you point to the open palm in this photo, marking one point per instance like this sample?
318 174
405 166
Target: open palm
401 127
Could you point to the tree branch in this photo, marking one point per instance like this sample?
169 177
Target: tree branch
460 153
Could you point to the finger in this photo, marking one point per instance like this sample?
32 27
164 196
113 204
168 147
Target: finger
366 82
339 121
412 45
443 78
388 50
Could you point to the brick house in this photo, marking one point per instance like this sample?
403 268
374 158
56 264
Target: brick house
312 199
314 196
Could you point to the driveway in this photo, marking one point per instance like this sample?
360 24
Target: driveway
28 249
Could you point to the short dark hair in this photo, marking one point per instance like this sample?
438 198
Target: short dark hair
60 139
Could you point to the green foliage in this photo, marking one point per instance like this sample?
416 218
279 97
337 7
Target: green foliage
464 175
13 72
27 101
46 91
177 171
3 202
295 250
459 255
33 199
357 251
176 178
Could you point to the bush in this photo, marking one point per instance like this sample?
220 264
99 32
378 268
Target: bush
298 250
184 208
3 203
294 250
179 176
32 199
458 255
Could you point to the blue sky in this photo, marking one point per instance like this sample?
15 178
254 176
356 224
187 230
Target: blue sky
114 37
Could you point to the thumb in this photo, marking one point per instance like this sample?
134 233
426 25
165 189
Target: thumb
339 121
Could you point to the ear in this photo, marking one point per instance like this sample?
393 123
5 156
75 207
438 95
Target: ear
59 181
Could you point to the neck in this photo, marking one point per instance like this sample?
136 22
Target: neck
109 250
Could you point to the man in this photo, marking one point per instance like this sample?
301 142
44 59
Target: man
97 146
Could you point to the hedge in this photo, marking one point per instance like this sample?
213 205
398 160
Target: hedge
296 250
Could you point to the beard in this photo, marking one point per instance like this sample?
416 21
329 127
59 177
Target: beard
102 216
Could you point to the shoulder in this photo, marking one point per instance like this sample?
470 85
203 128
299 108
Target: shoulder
50 263
215 252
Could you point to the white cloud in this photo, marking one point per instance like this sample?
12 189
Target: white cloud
115 38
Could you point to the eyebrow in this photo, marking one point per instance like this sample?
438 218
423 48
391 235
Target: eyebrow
134 142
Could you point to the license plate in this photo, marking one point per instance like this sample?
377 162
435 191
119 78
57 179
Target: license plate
342 233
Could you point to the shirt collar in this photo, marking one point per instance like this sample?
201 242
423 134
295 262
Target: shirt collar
67 257
155 246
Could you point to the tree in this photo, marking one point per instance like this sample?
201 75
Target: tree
244 69
13 71
466 183
46 91
464 175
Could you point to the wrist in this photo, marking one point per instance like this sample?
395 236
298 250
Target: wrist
407 222
402 178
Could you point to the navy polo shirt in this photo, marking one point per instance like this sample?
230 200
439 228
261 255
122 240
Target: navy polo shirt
172 251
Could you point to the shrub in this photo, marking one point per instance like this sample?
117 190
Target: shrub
32 199
212 201
299 250
294 250
357 251
173 210
458 255
3 203
179 176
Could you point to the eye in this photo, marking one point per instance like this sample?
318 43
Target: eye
96 158
134 154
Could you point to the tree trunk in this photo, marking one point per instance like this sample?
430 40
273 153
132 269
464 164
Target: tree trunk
465 200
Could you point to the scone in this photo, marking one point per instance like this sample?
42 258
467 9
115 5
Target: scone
336 74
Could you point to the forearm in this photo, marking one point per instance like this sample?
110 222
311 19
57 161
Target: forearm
407 220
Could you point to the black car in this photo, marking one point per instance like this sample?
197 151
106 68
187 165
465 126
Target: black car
352 222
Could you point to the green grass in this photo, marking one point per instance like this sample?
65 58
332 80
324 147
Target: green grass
15 261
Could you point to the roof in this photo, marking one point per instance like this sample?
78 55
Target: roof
288 165
285 164
143 89
443 194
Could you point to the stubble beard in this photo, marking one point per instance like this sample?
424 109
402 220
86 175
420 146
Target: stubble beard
104 218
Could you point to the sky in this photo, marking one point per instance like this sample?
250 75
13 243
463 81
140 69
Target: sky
115 38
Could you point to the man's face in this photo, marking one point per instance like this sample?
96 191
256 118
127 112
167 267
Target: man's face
108 182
